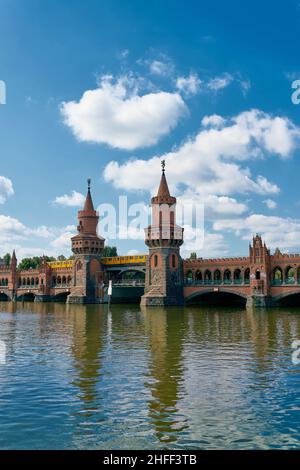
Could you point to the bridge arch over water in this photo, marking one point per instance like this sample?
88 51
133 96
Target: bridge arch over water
290 298
4 297
219 297
27 297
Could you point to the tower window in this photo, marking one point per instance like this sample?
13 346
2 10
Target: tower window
173 261
155 261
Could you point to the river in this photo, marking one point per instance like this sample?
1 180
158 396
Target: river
90 377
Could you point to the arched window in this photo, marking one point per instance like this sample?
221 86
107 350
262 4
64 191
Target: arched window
69 280
32 281
155 261
237 276
28 281
289 275
257 275
189 277
64 280
198 277
227 276
247 276
217 277
58 280
173 261
298 275
207 277
277 276
37 281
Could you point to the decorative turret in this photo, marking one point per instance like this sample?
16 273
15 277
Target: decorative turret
87 240
87 247
163 229
259 258
164 272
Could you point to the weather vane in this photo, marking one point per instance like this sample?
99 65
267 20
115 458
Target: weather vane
89 183
163 165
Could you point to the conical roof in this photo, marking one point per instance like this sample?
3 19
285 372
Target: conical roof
163 190
88 205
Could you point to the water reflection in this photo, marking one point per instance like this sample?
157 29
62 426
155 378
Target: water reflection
165 332
90 377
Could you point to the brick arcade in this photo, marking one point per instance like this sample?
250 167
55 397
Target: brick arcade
161 278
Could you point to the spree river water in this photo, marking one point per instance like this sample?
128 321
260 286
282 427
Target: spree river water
90 377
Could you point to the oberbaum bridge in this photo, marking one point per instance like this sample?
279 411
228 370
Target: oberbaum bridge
161 278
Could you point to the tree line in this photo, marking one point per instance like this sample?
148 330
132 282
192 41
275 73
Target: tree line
35 261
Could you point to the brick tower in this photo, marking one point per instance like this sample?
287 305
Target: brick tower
87 247
164 268
259 257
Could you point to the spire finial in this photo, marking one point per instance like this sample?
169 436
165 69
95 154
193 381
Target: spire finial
163 165
89 183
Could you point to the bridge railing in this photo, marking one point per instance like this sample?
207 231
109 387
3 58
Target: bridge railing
216 282
129 282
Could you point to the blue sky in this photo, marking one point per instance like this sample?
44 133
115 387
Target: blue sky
105 89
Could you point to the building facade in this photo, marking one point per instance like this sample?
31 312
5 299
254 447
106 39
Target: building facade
160 278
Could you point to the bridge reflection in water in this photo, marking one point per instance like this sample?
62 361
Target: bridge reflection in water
172 378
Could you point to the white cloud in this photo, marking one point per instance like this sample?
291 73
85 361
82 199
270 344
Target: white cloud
189 85
158 67
214 206
210 163
218 83
245 86
74 200
63 241
115 114
214 120
214 244
6 189
276 231
11 229
53 240
270 203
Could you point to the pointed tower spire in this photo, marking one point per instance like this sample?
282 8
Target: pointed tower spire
13 261
88 205
163 193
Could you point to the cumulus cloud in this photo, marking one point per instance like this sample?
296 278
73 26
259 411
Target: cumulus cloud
218 83
75 199
214 120
188 85
26 240
63 241
116 114
211 162
11 229
276 231
270 203
158 67
6 189
213 244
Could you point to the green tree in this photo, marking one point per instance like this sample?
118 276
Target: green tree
193 255
34 262
7 259
61 258
109 251
29 263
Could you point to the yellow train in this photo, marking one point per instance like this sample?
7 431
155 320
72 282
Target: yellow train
61 264
134 259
